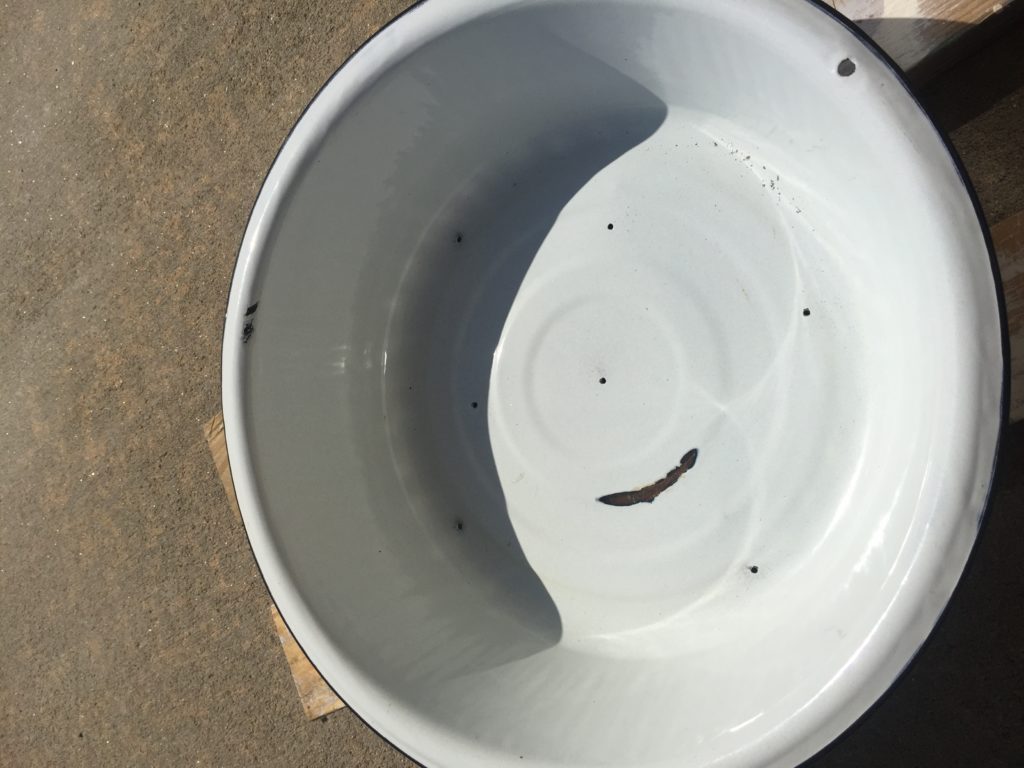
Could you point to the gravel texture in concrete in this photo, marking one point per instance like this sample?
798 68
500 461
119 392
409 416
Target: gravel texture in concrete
133 140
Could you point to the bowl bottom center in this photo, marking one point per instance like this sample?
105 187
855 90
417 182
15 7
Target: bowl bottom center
594 325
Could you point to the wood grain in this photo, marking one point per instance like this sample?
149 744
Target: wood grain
1008 238
213 431
912 31
316 696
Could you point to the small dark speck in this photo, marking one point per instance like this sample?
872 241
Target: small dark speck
611 226
476 405
807 312
247 332
458 238
846 68
754 569
716 143
81 735
252 310
603 380
459 525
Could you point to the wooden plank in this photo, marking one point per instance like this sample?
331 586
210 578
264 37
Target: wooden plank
1008 237
316 696
915 32
213 431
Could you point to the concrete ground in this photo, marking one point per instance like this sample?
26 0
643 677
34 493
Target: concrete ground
133 140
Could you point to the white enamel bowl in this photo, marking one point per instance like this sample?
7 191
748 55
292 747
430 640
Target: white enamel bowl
518 255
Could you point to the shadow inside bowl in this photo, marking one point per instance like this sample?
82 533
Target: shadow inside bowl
451 309
393 264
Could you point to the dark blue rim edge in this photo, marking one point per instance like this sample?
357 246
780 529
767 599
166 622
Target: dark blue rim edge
1004 407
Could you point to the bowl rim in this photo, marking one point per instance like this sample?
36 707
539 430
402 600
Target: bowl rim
238 311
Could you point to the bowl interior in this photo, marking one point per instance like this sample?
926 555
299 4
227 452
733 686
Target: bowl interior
515 260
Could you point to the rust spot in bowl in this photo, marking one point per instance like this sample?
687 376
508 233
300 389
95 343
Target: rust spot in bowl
648 494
